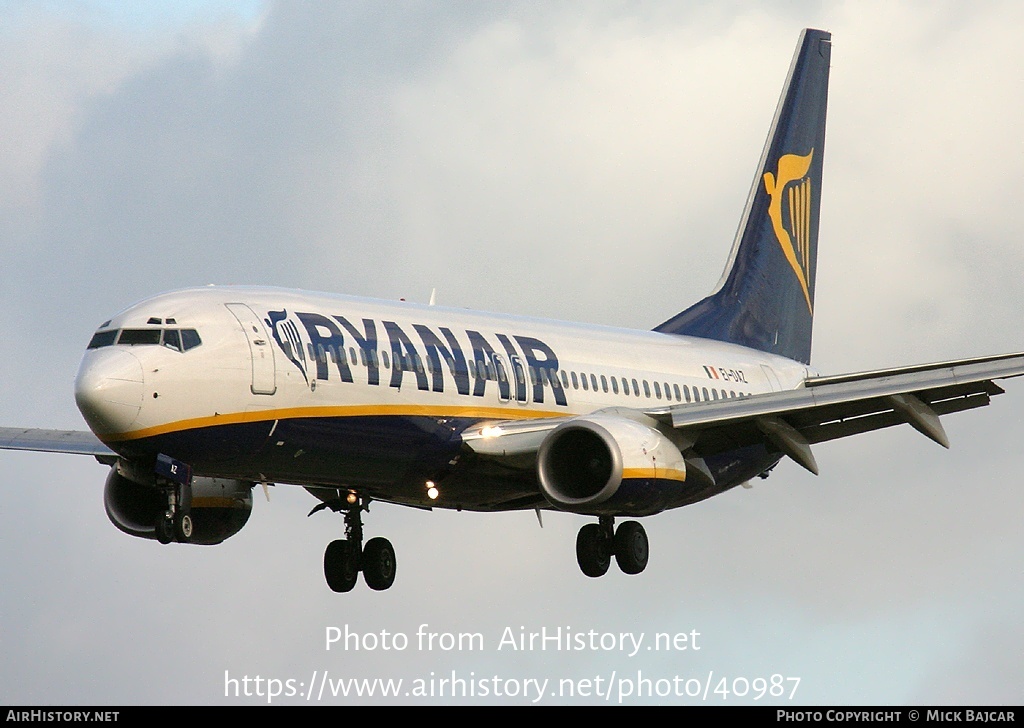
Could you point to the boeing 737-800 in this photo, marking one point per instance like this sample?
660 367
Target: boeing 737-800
195 397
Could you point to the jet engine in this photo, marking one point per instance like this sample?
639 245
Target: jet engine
219 507
608 464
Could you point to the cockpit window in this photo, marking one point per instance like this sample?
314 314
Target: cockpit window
135 337
102 338
190 339
172 339
177 339
181 339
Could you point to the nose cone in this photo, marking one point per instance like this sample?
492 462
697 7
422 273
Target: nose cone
109 389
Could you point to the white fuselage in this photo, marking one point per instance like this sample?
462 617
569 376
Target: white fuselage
341 371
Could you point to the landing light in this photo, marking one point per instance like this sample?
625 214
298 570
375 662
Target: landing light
351 498
490 431
432 491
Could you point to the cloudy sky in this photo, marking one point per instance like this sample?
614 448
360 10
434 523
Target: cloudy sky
582 161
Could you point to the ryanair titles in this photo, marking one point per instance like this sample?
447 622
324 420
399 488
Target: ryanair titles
520 367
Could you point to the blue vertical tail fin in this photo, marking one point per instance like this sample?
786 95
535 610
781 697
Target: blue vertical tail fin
765 299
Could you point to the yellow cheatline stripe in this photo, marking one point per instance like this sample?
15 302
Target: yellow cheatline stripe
662 473
291 413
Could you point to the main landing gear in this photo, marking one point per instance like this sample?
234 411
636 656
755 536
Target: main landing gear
597 542
345 558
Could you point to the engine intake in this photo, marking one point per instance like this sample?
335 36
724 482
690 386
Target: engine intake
608 464
220 507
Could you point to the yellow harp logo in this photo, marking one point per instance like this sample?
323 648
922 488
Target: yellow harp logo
792 185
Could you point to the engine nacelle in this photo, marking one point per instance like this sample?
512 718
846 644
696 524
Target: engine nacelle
607 464
219 507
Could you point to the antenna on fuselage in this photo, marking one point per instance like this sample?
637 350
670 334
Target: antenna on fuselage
433 296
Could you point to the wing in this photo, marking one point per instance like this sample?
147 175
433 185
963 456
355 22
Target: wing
74 442
825 408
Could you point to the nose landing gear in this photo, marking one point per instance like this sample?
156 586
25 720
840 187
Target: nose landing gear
174 479
175 524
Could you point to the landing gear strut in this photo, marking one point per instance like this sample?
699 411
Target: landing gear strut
173 480
175 524
596 543
345 558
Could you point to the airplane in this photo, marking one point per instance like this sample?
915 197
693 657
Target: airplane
195 397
